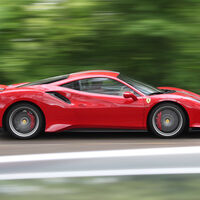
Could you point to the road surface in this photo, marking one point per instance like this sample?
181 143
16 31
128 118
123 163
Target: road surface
74 142
97 154
152 161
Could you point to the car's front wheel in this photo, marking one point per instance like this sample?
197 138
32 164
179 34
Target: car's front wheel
167 120
24 121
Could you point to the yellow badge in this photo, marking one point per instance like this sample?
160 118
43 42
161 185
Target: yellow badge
148 100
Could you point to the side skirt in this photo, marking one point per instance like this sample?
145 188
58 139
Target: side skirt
90 130
194 130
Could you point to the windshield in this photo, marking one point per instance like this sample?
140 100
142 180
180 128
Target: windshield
46 81
142 87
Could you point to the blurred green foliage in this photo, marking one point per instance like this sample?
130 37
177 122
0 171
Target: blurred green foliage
156 41
160 187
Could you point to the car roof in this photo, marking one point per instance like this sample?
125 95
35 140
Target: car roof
93 73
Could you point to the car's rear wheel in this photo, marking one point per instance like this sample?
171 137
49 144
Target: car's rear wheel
24 121
167 120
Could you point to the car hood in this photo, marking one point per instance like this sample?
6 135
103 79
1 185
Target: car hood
183 93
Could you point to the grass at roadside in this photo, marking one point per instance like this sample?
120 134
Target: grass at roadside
175 187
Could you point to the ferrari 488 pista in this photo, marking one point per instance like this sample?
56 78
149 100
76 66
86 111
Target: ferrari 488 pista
96 100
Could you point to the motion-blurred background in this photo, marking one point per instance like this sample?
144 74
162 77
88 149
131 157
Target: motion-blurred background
156 41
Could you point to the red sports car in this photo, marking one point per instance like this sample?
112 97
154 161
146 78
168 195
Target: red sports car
103 100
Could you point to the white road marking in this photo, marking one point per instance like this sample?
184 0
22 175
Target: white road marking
101 154
102 173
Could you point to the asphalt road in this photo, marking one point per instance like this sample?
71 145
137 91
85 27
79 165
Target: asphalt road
152 161
75 142
97 154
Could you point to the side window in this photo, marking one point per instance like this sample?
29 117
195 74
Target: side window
72 85
99 85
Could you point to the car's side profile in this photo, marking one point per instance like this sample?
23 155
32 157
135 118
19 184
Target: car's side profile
103 100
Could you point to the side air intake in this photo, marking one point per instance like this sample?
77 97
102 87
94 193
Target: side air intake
59 96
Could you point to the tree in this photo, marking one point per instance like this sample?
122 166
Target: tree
152 40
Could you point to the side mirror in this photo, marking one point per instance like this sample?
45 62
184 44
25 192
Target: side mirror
130 95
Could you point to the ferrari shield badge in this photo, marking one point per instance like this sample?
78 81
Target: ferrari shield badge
148 100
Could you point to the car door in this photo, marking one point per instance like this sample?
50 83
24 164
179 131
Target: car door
99 103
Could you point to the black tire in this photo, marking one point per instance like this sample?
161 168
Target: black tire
167 120
24 121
